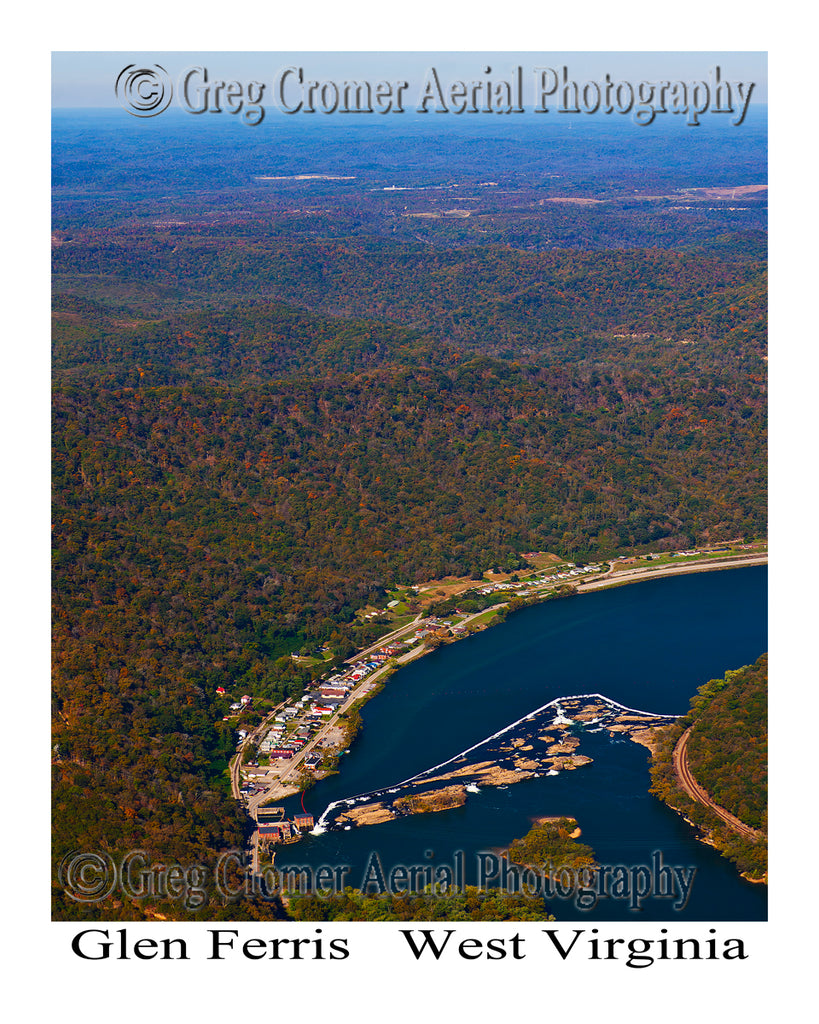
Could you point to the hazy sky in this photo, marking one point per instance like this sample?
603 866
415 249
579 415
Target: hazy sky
86 79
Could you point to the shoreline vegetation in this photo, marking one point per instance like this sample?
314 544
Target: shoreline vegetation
543 742
623 570
647 733
300 418
554 840
550 847
711 767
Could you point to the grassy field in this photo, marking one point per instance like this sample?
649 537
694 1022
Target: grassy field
659 559
544 566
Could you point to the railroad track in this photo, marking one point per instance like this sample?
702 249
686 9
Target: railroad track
696 792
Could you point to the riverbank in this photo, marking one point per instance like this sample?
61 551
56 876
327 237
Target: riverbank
536 592
641 573
346 722
648 648
730 737
545 741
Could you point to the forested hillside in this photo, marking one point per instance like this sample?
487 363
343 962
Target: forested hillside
271 404
728 757
229 486
556 307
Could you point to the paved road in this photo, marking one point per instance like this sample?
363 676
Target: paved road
646 572
280 789
254 736
383 641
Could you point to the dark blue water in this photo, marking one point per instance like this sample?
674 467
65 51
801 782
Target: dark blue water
648 646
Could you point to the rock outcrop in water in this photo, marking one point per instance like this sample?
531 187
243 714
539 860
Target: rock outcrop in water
545 742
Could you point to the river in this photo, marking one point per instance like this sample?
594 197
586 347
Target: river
648 646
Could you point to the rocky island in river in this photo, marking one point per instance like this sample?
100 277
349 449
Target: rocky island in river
545 742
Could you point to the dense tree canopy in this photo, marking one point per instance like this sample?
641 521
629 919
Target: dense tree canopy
728 756
267 407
